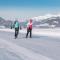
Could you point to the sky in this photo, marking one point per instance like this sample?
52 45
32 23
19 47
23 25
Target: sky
11 9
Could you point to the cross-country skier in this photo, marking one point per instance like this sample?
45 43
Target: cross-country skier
29 28
16 25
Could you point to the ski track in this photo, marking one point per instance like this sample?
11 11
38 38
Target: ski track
24 53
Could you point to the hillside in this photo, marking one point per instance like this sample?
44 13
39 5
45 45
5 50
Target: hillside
5 23
47 22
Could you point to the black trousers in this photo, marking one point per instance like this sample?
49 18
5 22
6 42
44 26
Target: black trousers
29 31
16 32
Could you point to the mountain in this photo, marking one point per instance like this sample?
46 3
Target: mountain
10 24
47 21
39 18
5 23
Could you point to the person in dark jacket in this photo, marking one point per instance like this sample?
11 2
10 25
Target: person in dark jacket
29 28
16 25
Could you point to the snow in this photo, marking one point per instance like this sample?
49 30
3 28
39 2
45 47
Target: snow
55 32
45 24
2 27
22 52
52 26
45 17
56 22
37 48
47 32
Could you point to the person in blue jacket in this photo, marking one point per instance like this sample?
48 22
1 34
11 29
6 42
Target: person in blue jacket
16 25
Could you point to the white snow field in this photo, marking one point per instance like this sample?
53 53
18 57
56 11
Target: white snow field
22 52
44 45
44 32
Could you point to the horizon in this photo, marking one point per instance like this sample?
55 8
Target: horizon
22 9
41 17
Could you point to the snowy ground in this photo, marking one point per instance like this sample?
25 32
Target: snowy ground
44 32
42 46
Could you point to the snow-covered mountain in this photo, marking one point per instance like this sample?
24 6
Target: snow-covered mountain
5 23
47 21
39 18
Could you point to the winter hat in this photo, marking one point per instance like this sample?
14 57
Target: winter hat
30 20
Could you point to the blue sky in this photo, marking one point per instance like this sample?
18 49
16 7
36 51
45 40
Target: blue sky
31 8
30 3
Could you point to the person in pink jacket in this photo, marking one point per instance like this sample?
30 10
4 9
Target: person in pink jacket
29 28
